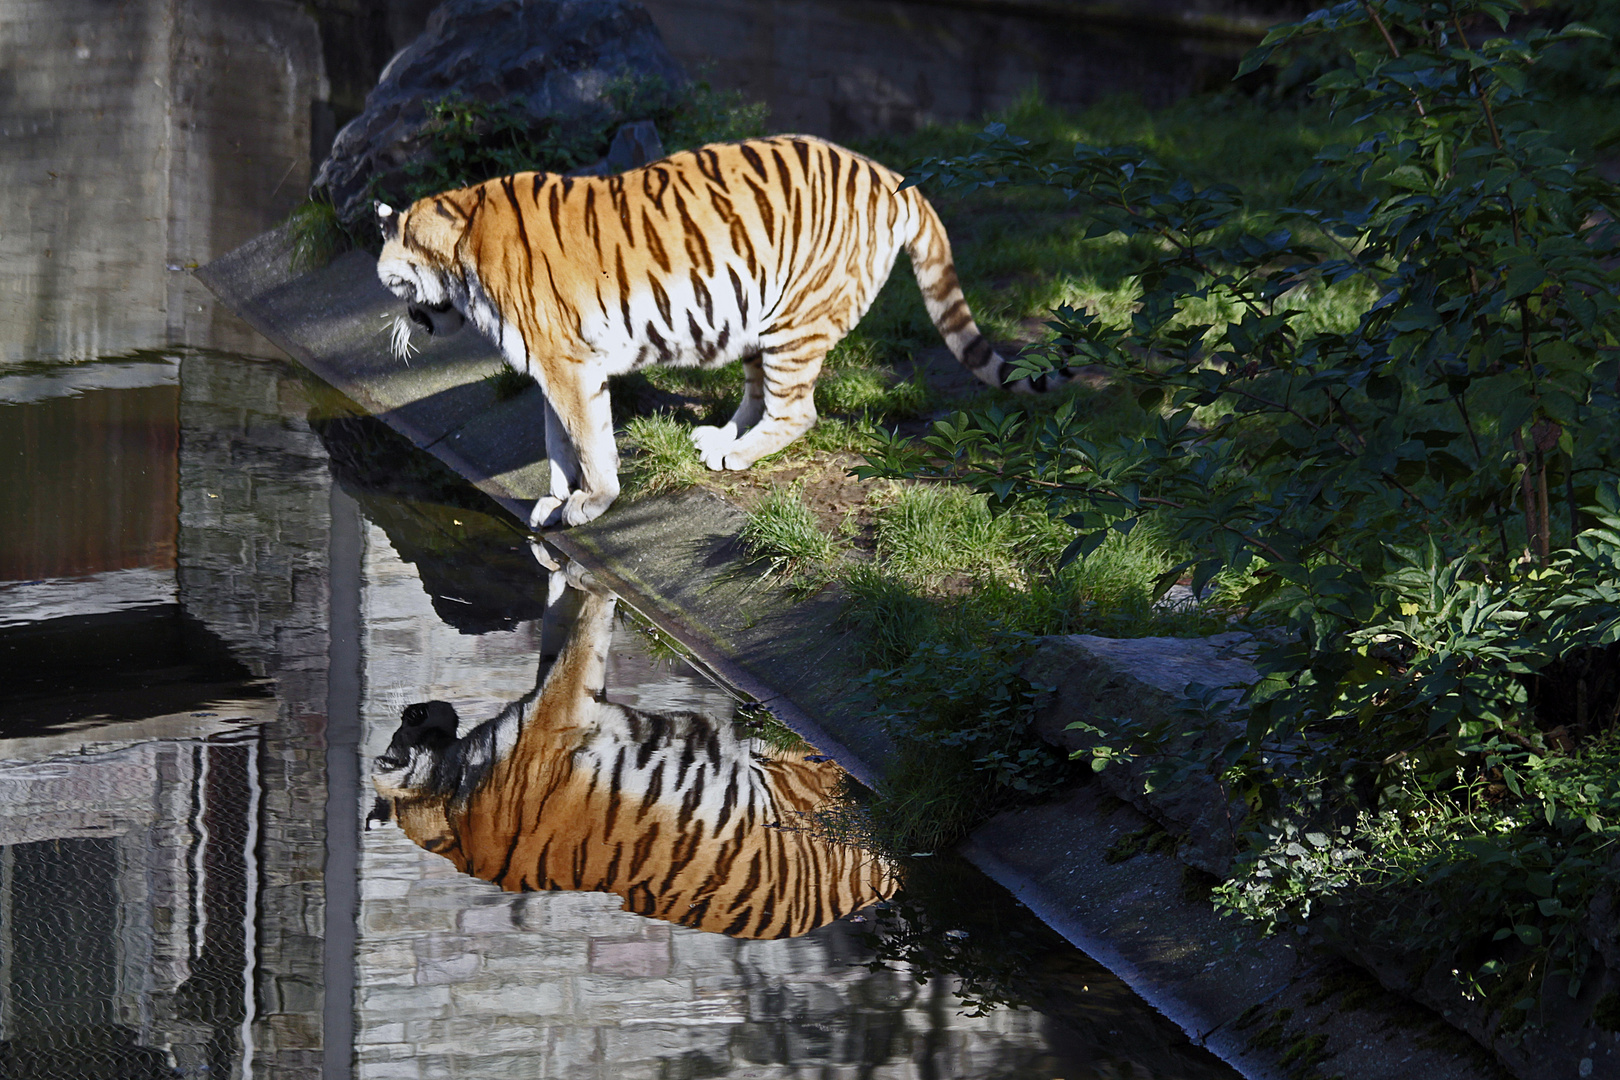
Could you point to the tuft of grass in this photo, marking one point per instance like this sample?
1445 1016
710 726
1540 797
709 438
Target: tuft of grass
659 457
926 532
783 531
507 382
929 801
317 235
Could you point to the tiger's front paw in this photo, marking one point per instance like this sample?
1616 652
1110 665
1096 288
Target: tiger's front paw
547 511
712 444
583 506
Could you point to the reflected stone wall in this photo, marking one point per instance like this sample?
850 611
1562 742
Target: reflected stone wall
108 877
253 566
455 978
140 139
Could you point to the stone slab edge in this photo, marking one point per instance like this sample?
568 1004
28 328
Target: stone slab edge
1098 679
788 653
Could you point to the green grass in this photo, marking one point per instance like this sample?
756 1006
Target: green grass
783 531
927 532
317 235
1022 252
928 798
507 383
657 456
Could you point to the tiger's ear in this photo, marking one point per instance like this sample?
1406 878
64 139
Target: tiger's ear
435 225
387 221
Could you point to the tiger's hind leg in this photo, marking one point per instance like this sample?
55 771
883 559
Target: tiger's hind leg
713 442
789 400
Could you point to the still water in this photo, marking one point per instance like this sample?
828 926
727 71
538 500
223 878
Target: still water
236 840
309 767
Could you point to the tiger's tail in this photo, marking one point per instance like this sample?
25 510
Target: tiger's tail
930 252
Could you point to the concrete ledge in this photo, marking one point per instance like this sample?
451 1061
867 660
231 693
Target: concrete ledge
677 561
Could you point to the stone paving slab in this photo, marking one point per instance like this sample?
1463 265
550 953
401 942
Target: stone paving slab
677 560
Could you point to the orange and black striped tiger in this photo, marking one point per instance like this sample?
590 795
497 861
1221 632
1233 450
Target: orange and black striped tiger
766 251
677 813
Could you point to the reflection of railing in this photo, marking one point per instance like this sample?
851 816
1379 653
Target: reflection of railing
127 938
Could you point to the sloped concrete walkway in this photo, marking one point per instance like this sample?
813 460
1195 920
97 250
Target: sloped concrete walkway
676 559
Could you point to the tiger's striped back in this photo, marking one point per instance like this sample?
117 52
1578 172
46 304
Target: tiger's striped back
676 813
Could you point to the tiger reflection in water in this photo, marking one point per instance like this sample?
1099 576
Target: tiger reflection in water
677 813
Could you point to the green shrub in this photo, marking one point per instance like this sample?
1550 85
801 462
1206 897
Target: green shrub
1420 496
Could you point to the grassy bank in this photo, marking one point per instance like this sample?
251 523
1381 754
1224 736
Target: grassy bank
948 592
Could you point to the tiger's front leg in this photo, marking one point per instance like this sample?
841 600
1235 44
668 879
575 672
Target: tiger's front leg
584 457
564 463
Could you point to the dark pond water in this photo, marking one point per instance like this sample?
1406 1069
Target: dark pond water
235 838
233 843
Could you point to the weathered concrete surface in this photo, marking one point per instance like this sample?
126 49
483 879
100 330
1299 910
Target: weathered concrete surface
677 560
140 139
1098 679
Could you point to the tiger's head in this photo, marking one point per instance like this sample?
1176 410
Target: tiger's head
419 264
417 777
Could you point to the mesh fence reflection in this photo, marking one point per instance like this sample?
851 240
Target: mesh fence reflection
127 954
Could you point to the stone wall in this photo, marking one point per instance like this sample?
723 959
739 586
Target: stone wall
848 69
253 566
140 139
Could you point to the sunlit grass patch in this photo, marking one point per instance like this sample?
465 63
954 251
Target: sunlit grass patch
926 532
782 530
658 457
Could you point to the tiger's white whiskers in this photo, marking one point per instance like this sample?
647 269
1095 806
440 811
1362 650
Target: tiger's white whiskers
399 341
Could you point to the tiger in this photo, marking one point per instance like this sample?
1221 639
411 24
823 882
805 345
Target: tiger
767 251
683 818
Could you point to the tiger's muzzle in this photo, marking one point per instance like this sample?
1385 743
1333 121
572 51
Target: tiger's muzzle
439 320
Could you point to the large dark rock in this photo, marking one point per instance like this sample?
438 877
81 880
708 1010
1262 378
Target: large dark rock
555 60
